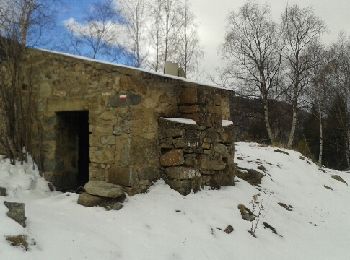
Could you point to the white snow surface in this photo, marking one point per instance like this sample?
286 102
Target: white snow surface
134 68
162 224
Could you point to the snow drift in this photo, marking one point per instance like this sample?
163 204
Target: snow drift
162 224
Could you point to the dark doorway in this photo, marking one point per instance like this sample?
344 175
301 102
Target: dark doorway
72 152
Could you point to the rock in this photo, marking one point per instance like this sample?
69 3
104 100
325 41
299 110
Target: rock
16 212
262 168
104 189
116 206
287 207
268 226
327 187
88 200
280 151
182 173
246 213
229 229
221 149
172 158
253 177
338 178
2 191
206 163
18 241
51 186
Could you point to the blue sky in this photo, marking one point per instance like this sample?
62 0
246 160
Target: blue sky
212 21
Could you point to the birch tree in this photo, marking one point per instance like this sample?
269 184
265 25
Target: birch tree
99 35
301 30
190 52
164 31
252 50
135 14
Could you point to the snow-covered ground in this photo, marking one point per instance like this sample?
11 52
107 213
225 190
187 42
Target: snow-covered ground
162 224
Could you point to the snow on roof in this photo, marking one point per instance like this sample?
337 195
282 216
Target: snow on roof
134 68
186 121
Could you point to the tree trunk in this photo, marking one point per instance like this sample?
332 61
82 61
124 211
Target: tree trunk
347 153
267 121
320 155
294 124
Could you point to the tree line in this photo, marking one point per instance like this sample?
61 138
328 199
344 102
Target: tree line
287 61
143 33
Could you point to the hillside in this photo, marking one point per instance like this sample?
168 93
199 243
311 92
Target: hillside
312 222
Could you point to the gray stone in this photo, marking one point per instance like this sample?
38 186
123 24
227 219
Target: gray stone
246 213
172 158
2 191
116 206
88 200
104 189
253 177
338 178
182 173
16 212
221 149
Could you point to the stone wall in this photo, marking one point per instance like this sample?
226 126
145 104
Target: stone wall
192 156
123 133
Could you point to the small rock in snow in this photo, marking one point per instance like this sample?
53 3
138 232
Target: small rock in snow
16 212
280 151
229 229
338 178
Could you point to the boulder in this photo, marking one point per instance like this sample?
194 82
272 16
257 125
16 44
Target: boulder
16 212
104 189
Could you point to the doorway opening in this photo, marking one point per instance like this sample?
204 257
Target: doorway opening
72 146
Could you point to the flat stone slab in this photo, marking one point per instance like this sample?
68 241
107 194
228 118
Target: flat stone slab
88 200
104 189
16 212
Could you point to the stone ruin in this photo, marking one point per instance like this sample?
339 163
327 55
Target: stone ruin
97 122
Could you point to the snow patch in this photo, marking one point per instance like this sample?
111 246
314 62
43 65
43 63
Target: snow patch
186 121
227 122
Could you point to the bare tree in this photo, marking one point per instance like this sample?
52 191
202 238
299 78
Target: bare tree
340 83
252 50
164 31
301 30
189 52
321 91
99 33
135 14
17 20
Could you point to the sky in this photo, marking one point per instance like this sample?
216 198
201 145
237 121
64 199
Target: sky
211 19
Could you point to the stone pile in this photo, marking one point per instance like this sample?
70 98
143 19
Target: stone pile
102 194
192 156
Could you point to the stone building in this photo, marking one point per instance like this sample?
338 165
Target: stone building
104 122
